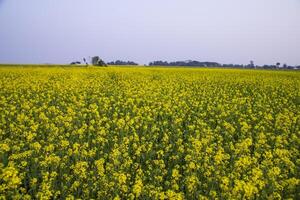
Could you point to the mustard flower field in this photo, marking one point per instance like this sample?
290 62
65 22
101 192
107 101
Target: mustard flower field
149 133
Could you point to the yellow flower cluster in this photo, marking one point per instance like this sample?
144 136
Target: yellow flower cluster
149 133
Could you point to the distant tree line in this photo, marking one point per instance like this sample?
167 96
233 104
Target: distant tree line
97 61
185 63
120 62
193 63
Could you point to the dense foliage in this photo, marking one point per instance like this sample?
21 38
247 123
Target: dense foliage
191 63
149 133
120 62
194 63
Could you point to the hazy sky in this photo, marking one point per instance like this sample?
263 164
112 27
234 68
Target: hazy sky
225 31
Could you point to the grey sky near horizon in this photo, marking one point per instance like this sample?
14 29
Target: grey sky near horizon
225 31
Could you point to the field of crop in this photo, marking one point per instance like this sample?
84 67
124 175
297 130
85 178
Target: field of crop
149 133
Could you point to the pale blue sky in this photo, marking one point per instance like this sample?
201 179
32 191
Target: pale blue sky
225 31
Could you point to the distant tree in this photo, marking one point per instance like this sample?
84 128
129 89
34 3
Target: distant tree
101 63
285 66
277 64
251 65
75 63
